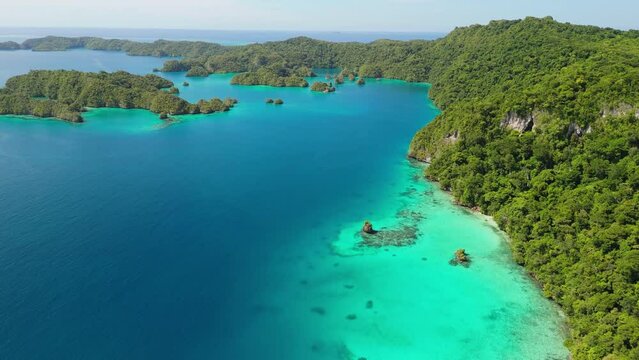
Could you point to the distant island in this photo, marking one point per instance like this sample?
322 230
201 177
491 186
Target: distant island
539 129
321 86
65 94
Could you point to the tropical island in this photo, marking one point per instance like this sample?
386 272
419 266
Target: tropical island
539 129
272 77
321 86
159 48
66 94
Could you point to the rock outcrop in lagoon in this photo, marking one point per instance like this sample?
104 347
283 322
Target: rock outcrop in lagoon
404 236
460 258
320 86
368 228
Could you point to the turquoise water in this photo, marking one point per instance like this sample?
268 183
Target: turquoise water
235 236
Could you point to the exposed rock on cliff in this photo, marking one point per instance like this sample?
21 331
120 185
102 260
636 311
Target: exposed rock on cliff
452 137
620 110
574 129
518 122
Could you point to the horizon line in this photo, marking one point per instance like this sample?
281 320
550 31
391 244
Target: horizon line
227 30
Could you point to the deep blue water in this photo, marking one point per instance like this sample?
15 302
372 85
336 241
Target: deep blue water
151 245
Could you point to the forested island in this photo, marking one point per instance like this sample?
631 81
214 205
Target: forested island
270 77
321 86
159 48
65 94
539 128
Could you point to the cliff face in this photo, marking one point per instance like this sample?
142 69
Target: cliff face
620 110
519 123
428 145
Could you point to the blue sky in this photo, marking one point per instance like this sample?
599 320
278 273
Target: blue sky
324 15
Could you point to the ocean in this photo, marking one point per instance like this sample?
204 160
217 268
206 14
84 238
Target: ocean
237 235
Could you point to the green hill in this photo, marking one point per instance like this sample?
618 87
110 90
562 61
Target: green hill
65 94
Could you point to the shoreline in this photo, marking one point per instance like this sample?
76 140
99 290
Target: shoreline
476 211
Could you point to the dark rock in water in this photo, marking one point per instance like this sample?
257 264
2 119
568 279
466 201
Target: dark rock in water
318 310
349 286
405 236
351 317
269 101
461 258
368 228
369 304
186 83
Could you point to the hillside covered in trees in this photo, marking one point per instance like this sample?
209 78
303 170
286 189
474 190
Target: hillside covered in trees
159 48
64 95
540 129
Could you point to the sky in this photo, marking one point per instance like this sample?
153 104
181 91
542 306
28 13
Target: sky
324 15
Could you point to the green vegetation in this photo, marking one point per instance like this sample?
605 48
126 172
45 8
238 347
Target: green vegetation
65 94
197 71
9 45
320 86
392 59
268 76
539 129
158 48
175 66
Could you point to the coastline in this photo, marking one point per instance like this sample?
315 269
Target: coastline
488 219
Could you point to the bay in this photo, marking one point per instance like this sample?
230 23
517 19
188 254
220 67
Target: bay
236 235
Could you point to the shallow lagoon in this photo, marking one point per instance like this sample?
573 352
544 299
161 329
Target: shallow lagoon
234 236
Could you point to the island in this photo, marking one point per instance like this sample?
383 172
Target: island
320 86
64 95
159 48
9 45
460 257
278 77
